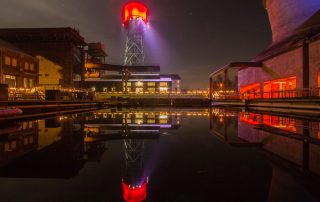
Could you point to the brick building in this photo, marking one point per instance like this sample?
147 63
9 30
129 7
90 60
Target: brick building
63 46
17 69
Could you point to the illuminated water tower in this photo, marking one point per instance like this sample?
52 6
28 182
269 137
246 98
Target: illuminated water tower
135 21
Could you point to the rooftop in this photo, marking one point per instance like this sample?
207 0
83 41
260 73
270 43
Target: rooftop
42 34
7 45
309 30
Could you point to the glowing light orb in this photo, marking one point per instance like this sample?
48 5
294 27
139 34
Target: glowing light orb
134 11
134 194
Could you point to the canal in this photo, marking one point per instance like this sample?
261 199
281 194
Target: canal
161 155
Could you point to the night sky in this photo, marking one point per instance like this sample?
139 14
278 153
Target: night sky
190 37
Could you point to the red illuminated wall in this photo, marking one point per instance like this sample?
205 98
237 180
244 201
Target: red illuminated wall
250 91
280 88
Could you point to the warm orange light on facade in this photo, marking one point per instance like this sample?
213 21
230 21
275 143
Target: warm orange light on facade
280 88
251 91
250 118
283 123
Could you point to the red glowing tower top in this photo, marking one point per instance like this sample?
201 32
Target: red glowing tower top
134 11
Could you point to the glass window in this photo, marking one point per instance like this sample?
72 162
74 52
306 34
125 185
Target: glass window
163 89
151 90
31 83
26 66
7 60
10 80
163 121
151 83
14 62
151 121
25 82
139 90
139 115
163 84
124 84
139 83
31 67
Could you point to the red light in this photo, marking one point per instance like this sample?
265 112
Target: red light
136 194
134 10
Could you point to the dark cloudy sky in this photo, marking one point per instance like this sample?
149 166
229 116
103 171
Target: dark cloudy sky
193 37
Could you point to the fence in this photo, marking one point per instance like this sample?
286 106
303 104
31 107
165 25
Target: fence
108 95
40 94
285 94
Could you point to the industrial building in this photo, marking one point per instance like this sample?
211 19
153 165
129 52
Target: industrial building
102 77
290 66
134 79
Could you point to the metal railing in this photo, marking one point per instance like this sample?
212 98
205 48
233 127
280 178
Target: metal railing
285 94
106 95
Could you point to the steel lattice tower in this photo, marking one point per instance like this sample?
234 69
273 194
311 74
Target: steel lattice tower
135 22
134 51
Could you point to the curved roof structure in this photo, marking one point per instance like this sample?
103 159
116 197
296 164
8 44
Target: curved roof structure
286 16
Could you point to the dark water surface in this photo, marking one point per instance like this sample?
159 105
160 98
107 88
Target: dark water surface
160 155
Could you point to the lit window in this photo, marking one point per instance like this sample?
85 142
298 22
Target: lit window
139 121
9 77
151 121
26 66
14 62
124 84
139 115
163 121
151 90
163 84
31 67
163 89
139 83
151 83
24 125
7 60
25 82
31 83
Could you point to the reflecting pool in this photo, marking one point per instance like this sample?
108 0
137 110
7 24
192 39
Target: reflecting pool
161 155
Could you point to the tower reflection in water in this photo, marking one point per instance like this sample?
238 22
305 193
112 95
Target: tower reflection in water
135 128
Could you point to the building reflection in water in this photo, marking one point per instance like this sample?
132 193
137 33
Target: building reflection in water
292 141
64 144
